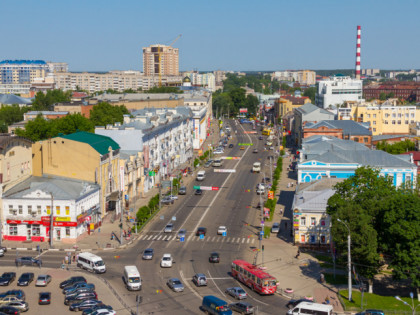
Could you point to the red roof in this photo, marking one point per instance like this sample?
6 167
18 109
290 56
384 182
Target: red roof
79 95
416 155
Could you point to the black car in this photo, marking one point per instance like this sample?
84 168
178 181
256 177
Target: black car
27 261
242 307
198 192
201 231
18 293
214 257
44 298
5 309
81 297
26 278
86 304
231 146
293 303
7 278
71 280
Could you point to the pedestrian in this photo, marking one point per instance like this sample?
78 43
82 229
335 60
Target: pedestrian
39 263
16 262
298 253
288 185
74 258
66 258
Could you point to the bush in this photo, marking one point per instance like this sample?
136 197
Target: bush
143 214
153 202
196 162
267 231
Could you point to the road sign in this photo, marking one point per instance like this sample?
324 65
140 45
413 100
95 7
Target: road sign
182 239
173 218
262 222
224 233
201 236
215 188
262 233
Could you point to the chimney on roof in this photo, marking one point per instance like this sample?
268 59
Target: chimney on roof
359 30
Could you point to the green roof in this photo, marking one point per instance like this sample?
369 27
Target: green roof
98 142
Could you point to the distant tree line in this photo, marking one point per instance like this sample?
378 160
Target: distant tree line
396 148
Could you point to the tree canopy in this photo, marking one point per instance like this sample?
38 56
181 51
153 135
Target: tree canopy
310 92
10 115
382 219
396 148
104 114
165 89
45 101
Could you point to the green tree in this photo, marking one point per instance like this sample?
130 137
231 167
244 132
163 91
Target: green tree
222 102
382 96
45 101
238 98
251 103
396 148
165 89
104 114
310 92
37 129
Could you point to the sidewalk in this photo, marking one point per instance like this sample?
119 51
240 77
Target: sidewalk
298 277
101 237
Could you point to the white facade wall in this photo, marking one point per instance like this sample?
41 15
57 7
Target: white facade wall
337 90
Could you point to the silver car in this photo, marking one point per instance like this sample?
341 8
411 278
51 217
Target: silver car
275 228
175 284
148 254
168 228
21 306
43 280
237 293
181 233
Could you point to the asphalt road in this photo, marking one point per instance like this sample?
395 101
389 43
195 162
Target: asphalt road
233 206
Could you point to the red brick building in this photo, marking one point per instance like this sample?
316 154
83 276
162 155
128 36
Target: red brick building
408 90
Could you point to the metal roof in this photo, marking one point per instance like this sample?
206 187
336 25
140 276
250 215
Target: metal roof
100 143
349 127
10 99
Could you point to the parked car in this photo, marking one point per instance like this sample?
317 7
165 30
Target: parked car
255 151
9 299
77 286
97 307
81 297
208 163
260 138
218 151
275 228
173 197
242 307
166 261
222 229
181 233
25 279
27 261
4 249
168 228
242 148
167 200
104 312
7 278
237 293
71 281
80 290
371 312
148 254
83 305
9 310
214 257
1 252
201 231
231 146
175 285
198 192
293 303
20 305
17 293
200 279
182 190
43 280
44 298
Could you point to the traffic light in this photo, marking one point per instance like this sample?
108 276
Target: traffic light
263 248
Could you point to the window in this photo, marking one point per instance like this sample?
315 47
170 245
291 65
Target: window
303 221
393 122
406 122
394 115
399 115
374 129
67 231
323 239
20 209
13 229
49 210
57 210
399 122
38 208
67 210
356 139
322 222
368 115
29 209
374 115
386 122
36 230
10 209
312 238
302 238
313 221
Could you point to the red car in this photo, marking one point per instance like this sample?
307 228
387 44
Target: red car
201 231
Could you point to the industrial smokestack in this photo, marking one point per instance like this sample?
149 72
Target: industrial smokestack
359 30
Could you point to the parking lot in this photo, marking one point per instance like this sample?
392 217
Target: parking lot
57 298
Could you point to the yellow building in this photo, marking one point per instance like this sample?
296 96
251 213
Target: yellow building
287 103
85 156
133 183
384 119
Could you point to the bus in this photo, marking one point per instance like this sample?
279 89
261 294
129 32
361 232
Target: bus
266 132
253 277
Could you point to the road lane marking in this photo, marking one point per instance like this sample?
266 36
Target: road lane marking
187 283
247 241
243 240
211 278
228 239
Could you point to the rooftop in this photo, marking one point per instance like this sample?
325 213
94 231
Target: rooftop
10 99
100 143
349 127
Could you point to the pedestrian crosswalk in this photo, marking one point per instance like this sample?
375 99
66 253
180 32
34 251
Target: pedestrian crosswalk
194 238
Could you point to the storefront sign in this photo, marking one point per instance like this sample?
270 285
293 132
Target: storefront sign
62 219
65 224
31 222
14 221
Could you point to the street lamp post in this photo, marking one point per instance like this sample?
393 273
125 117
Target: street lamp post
413 308
348 258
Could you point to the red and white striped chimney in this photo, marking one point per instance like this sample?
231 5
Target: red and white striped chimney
359 30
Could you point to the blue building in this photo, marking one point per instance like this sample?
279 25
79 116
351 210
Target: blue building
330 157
22 71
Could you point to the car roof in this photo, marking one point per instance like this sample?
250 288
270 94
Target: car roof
166 255
149 249
200 274
276 224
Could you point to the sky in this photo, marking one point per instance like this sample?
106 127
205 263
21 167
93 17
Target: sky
246 35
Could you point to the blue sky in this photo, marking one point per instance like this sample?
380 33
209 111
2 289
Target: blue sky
102 35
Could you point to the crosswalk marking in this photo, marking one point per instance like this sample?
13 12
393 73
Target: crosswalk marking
155 237
228 239
163 238
247 241
169 238
243 240
193 237
160 236
239 239
212 239
253 240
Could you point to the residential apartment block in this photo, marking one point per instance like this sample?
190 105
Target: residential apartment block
160 60
337 90
205 80
305 77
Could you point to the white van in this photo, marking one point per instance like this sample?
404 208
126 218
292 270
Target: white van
305 308
132 278
256 167
217 163
201 175
91 262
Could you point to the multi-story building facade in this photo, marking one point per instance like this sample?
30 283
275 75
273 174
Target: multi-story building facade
408 90
219 77
74 107
162 135
305 77
330 157
371 72
160 60
337 90
205 80
22 71
83 156
287 103
29 206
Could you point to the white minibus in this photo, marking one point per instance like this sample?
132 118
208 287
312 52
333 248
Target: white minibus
132 278
305 308
91 262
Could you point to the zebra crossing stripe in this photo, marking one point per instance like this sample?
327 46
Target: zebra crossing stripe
247 241
190 237
160 236
163 238
150 236
243 240
223 239
154 237
169 238
253 240
212 239
228 239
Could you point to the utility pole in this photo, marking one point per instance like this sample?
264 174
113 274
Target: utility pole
52 220
121 215
348 258
160 191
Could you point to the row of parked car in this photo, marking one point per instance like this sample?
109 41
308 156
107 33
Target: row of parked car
81 296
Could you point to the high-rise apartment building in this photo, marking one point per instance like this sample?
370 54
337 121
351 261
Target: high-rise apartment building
306 77
160 59
22 71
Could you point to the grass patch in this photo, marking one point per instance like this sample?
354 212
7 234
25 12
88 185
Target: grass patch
339 279
267 231
370 300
